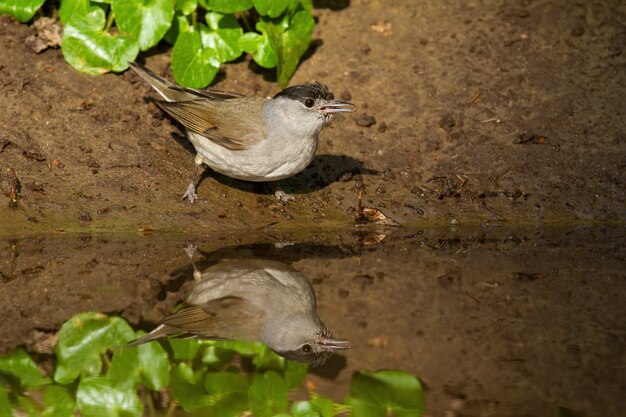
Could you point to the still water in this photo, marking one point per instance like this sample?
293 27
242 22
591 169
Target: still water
501 322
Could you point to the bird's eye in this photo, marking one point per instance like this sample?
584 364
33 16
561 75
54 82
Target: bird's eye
309 102
306 348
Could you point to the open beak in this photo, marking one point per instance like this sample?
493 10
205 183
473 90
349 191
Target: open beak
334 344
337 107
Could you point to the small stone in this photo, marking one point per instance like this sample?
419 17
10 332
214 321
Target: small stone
345 96
382 128
84 216
447 122
365 120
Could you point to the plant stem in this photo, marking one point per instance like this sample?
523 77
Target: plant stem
194 19
246 22
110 19
170 409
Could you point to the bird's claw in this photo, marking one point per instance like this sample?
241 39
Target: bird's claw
190 194
283 197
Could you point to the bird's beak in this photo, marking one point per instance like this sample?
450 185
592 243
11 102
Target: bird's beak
337 107
334 344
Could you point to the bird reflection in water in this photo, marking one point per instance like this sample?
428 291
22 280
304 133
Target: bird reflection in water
253 299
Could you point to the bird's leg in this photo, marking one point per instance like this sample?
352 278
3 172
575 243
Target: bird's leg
190 250
190 194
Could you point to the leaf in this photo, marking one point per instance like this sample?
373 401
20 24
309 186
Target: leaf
222 36
192 64
216 356
229 393
70 8
22 10
383 393
28 405
179 24
325 406
20 365
290 38
295 373
58 402
82 340
147 363
187 388
98 397
271 8
295 42
242 347
304 409
260 47
146 21
186 7
268 394
227 6
184 349
5 407
88 48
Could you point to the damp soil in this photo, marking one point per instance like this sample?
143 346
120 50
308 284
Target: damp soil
493 133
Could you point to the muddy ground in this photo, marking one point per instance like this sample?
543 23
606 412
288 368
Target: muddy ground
478 116
483 111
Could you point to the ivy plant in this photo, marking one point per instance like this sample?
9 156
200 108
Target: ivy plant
97 375
104 35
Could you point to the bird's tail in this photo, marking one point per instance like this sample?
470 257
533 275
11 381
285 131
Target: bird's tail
158 333
166 89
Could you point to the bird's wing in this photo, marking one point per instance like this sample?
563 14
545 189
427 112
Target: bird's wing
223 318
233 123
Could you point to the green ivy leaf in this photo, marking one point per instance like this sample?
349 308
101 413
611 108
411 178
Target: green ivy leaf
188 389
88 48
20 365
242 347
289 37
192 64
186 7
22 10
227 6
295 373
271 8
147 363
144 20
229 393
222 36
304 409
58 402
259 46
216 356
82 340
180 23
5 407
28 405
295 42
268 394
71 8
99 397
184 349
383 393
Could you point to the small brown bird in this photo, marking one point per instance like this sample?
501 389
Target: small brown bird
249 138
253 299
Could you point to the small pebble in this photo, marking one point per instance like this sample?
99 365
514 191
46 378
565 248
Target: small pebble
84 216
365 120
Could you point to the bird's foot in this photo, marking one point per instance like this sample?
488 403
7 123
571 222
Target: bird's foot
190 250
283 197
190 194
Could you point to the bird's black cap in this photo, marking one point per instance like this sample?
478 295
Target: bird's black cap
304 91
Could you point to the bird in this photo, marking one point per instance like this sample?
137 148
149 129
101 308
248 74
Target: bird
255 300
245 137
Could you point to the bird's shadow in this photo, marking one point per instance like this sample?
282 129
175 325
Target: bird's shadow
324 170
